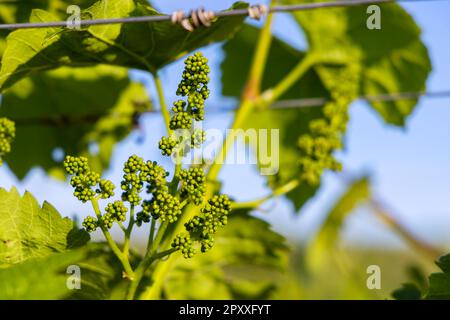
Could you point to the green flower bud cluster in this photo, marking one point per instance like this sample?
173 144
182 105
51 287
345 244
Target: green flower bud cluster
167 145
181 118
193 85
117 210
105 189
107 220
90 224
183 243
206 243
132 183
214 215
136 173
86 183
193 184
163 206
197 138
195 76
7 135
325 135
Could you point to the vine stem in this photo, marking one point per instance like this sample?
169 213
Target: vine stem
251 93
389 219
149 257
140 271
162 268
159 276
162 102
286 188
270 95
151 234
129 229
119 254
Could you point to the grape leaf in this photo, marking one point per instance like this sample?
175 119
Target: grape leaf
291 123
146 46
439 287
29 231
71 110
39 278
408 291
19 11
102 276
243 263
392 59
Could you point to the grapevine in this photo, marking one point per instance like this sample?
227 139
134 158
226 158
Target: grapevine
147 191
317 147
167 228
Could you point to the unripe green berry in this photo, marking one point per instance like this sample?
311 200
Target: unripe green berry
117 210
90 224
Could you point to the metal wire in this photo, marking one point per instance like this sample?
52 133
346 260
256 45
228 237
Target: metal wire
236 12
388 97
64 120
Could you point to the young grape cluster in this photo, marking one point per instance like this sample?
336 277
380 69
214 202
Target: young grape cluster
165 200
214 215
325 135
90 224
193 184
7 135
183 243
194 85
86 183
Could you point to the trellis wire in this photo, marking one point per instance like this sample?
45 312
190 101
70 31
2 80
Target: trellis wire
235 12
63 120
388 97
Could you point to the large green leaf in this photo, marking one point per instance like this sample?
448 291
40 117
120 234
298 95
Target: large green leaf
39 278
101 274
392 59
438 286
408 291
71 110
20 10
291 123
440 282
28 230
146 46
244 263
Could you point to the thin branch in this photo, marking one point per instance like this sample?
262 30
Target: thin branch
66 120
286 188
128 230
251 93
388 218
162 102
272 94
122 258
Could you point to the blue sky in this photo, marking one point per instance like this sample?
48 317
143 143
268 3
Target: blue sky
411 166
